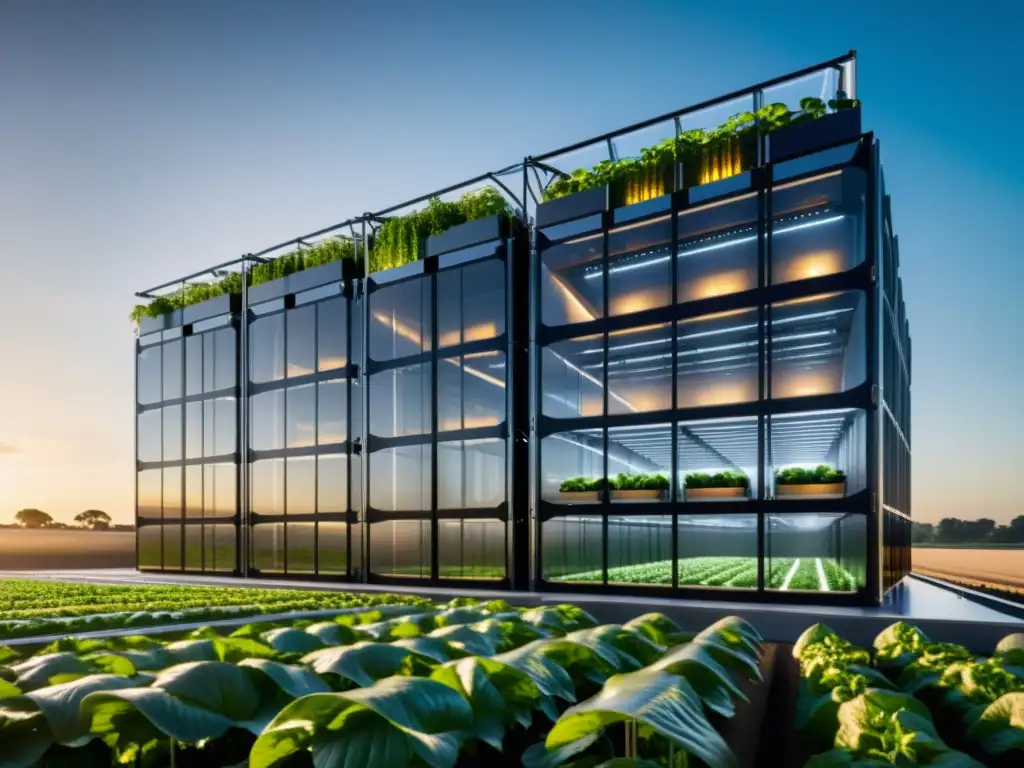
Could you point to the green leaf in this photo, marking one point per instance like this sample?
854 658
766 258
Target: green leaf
709 679
534 659
863 720
215 685
663 702
25 739
193 650
899 644
294 681
659 629
332 633
8 654
469 639
291 640
842 758
362 663
129 719
539 756
36 671
1009 650
433 648
8 689
383 724
1001 726
811 636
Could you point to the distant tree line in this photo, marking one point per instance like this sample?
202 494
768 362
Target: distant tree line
90 519
953 530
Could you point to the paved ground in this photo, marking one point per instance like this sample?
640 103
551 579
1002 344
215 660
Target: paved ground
939 612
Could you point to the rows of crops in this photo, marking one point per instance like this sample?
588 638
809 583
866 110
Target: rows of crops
909 701
33 608
463 684
809 573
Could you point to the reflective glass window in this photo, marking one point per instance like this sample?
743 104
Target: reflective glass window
268 547
301 479
332 319
225 489
193 430
150 547
193 365
400 478
301 341
639 267
301 547
172 437
640 369
267 420
571 281
718 251
471 303
150 377
640 463
225 410
640 550
266 345
400 401
266 478
172 547
471 391
568 456
225 375
471 549
194 491
400 319
400 548
571 549
172 370
815 552
471 474
150 494
718 551
193 547
332 483
817 454
332 544
150 437
332 404
571 383
301 416
718 359
224 541
172 492
718 459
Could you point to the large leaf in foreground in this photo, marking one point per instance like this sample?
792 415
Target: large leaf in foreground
661 701
363 663
214 685
37 671
291 640
333 633
535 660
1001 726
384 724
660 629
295 682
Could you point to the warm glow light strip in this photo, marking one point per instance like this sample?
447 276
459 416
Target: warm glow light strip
716 246
750 326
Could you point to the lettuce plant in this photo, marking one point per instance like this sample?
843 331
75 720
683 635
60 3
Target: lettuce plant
726 479
821 474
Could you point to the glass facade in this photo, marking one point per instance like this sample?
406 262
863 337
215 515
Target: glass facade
187 448
709 364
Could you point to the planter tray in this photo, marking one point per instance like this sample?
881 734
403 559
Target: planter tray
161 323
218 305
580 497
642 495
792 140
465 235
576 206
695 494
832 490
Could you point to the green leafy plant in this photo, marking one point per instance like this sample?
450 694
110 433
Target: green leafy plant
820 475
726 479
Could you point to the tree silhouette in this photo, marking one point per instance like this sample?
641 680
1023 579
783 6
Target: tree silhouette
32 518
96 519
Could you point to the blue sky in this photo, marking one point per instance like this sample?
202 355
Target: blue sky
142 141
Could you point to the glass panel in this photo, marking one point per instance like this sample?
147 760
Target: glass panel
225 500
193 365
400 478
640 462
266 345
172 492
818 344
150 439
718 249
267 420
471 391
571 281
331 334
355 493
172 376
400 401
267 487
332 403
150 493
172 547
640 550
471 474
150 377
640 369
209 363
571 378
301 350
818 226
816 552
400 548
193 547
224 539
400 320
817 454
301 477
226 359
150 546
172 433
718 359
301 416
718 551
225 411
569 455
193 430
639 267
471 549
193 491
472 303
332 544
571 549
301 547
209 429
718 459
332 484
209 491
268 547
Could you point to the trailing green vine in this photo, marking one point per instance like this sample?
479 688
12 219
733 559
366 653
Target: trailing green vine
399 240
717 149
289 263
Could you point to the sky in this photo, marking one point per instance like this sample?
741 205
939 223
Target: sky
143 141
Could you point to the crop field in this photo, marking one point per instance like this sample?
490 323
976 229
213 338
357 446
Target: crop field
40 550
37 608
992 568
470 684
816 574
